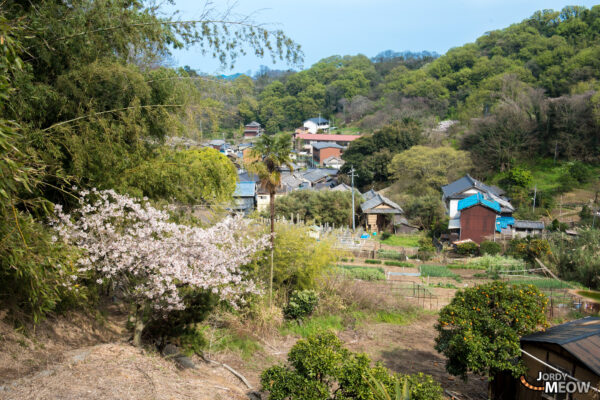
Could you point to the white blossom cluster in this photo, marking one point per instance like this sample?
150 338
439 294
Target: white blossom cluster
133 246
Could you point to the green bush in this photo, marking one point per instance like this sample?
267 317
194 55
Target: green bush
479 331
385 235
426 249
580 172
37 275
467 249
319 368
528 248
301 304
489 247
369 261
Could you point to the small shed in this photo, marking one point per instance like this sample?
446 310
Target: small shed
244 197
524 228
379 212
477 217
572 348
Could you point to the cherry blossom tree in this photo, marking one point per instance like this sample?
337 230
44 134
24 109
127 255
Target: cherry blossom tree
134 247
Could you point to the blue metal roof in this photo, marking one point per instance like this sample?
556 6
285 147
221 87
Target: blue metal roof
326 145
245 189
476 199
504 222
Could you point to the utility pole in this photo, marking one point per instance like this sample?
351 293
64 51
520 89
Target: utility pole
534 197
352 175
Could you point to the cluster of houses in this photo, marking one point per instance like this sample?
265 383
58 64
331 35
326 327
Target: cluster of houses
312 142
476 211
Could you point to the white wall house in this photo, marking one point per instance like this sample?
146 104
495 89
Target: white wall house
314 125
468 186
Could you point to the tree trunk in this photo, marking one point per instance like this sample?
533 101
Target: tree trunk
272 207
138 327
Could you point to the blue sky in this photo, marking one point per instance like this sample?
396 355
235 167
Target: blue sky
328 27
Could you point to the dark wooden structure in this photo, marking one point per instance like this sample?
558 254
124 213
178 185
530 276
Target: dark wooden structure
477 223
572 348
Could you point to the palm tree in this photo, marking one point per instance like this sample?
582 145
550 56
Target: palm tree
271 152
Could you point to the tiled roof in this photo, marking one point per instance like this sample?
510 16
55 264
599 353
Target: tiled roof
254 124
377 200
581 338
522 224
467 182
313 175
326 145
318 121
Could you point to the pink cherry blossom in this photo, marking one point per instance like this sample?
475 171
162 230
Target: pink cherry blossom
133 246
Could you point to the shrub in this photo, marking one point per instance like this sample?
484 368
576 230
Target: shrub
426 249
580 172
299 261
479 331
468 248
369 261
37 276
489 247
319 367
519 177
385 235
529 248
301 304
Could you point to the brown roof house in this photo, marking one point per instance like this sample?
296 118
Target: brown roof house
252 129
566 357
325 150
379 213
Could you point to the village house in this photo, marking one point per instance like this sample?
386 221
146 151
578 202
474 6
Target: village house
379 214
244 197
572 348
324 150
318 176
468 186
523 228
253 129
477 217
217 144
314 125
333 162
262 197
305 141
478 226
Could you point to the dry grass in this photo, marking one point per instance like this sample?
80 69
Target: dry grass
339 294
120 371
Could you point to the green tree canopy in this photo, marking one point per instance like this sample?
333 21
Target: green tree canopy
423 170
479 331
